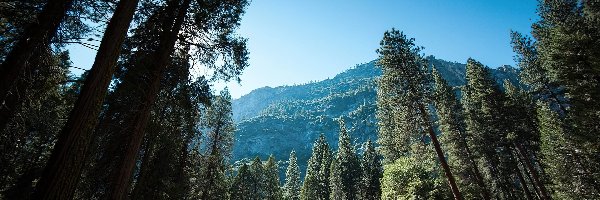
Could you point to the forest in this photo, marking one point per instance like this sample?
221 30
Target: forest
142 123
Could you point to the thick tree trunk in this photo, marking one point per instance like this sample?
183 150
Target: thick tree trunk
440 154
36 35
536 180
134 130
63 170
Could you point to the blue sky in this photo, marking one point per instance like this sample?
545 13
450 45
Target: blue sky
294 42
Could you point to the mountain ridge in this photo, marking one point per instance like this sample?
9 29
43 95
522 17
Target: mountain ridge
277 120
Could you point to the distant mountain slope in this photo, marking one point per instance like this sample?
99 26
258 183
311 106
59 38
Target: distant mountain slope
281 119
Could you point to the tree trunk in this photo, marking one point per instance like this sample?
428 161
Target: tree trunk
523 184
478 177
440 154
536 181
35 36
134 130
63 170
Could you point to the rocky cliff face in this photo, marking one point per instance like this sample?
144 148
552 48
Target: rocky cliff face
281 119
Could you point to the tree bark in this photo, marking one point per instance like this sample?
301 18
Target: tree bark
536 180
137 122
440 154
36 35
63 170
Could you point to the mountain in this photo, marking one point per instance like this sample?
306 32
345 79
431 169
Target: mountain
281 119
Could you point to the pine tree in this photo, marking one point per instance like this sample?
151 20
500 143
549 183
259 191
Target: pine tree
370 185
36 36
345 169
59 179
555 148
218 119
271 187
452 126
242 185
483 104
257 174
566 37
523 133
291 188
403 98
316 183
26 141
125 120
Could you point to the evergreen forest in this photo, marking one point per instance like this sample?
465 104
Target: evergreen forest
146 119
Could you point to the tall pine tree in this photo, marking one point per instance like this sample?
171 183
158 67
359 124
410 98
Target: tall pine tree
291 187
403 99
451 124
316 182
370 164
271 175
345 169
483 103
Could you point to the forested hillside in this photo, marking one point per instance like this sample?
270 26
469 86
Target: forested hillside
279 120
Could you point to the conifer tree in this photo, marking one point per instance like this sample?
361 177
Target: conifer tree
523 133
36 36
242 185
257 173
345 169
291 188
125 120
370 185
218 120
483 104
452 126
566 40
271 187
403 98
316 183
26 141
62 172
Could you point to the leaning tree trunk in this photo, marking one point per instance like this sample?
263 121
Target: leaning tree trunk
477 173
539 186
36 35
524 184
63 170
136 123
440 154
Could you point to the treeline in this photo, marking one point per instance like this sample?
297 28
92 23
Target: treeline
142 123
537 139
341 174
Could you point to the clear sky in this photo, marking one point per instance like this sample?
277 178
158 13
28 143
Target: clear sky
294 42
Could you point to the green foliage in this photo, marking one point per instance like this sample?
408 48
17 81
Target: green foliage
271 175
372 172
562 70
344 181
402 89
484 103
451 124
243 184
291 188
257 183
211 180
28 139
411 178
316 181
